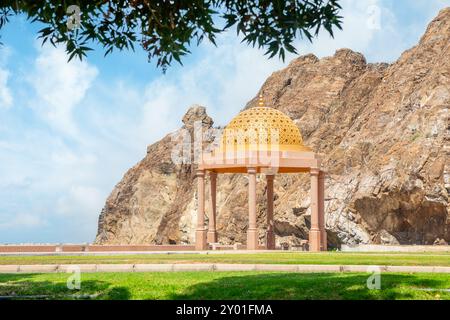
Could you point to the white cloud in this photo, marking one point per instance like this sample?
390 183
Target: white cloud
369 27
80 201
59 87
19 221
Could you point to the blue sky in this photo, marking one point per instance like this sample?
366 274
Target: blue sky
69 131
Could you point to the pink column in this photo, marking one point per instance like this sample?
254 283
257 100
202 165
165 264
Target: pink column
200 233
314 232
252 232
270 236
323 232
212 233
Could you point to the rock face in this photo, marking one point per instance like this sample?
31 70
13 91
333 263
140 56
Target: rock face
384 134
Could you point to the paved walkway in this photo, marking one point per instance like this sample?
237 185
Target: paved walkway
53 268
394 248
120 253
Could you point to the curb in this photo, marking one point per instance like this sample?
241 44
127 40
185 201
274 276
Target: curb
91 268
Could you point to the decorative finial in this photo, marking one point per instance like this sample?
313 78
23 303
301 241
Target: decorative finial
260 100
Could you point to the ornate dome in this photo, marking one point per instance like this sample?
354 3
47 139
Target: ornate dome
262 128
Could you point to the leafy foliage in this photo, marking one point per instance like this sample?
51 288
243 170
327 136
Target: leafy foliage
165 29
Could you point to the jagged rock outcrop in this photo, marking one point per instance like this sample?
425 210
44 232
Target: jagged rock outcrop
384 134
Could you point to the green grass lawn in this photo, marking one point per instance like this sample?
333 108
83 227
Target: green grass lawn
227 285
401 259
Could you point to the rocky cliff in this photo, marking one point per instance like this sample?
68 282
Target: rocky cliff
384 134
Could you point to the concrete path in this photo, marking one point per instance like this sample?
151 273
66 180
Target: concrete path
394 248
207 252
120 253
302 268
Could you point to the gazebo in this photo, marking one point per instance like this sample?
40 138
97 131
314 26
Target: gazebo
260 140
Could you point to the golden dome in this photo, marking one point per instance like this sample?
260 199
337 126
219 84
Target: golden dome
262 128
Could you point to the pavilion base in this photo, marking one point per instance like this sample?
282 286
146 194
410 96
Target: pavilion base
212 236
252 239
200 240
314 240
323 239
270 240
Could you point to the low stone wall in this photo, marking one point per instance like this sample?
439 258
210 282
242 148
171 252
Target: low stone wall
28 248
393 248
72 248
98 248
92 248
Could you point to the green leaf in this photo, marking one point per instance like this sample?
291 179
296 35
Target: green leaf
165 29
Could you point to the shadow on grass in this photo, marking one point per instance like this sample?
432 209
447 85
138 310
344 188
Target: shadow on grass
333 286
217 285
28 286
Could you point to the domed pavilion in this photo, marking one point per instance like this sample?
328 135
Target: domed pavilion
260 140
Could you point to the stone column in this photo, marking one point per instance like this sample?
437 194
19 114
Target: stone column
323 232
212 233
270 236
314 232
252 232
200 233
